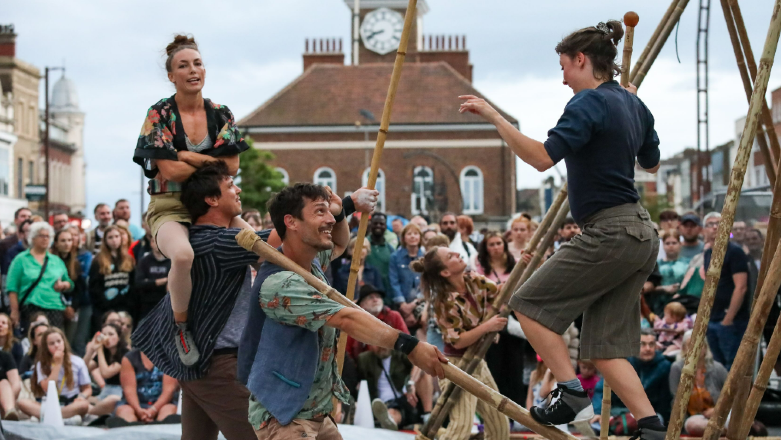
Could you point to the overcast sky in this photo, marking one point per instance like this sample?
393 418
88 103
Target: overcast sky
252 49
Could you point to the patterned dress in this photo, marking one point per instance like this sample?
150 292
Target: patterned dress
457 313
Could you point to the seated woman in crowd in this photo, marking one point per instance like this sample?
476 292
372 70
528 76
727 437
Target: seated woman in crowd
8 342
111 276
104 360
708 382
69 373
127 326
35 334
10 386
367 274
672 268
147 392
37 279
403 280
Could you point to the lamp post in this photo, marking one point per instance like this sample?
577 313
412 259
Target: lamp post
46 136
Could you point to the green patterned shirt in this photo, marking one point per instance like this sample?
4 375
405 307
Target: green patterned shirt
286 298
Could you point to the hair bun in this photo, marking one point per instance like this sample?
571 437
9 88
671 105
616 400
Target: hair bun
179 41
615 31
417 265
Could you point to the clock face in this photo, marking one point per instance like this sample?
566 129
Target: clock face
381 30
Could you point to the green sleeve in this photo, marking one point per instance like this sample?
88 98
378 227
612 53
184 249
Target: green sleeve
286 298
14 280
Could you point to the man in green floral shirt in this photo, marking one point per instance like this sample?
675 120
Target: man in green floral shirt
287 356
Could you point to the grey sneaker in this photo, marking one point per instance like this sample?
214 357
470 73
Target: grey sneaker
564 406
188 352
649 434
380 411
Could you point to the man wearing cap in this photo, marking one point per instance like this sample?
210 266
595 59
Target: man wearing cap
690 229
370 298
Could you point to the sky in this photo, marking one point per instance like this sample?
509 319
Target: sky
113 51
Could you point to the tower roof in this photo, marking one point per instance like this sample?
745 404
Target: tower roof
65 98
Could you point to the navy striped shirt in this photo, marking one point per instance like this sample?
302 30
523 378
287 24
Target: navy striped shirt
217 274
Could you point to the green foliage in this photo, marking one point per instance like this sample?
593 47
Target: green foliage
655 204
257 179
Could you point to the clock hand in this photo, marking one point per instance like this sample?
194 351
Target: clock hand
370 36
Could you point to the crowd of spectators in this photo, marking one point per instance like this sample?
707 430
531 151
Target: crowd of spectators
70 299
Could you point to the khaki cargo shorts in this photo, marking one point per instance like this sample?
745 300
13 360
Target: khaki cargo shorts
163 208
599 273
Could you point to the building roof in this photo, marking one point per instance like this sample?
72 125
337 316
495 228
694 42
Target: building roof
334 94
64 96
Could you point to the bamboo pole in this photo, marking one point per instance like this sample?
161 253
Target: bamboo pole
604 422
654 37
250 241
641 70
747 77
481 347
630 20
767 119
401 54
728 216
437 416
747 351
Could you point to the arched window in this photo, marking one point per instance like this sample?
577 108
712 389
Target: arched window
422 190
379 186
285 175
472 190
327 177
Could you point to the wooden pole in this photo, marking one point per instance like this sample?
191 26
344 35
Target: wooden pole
437 416
747 351
641 70
747 77
728 216
250 241
604 423
654 37
630 21
375 167
477 351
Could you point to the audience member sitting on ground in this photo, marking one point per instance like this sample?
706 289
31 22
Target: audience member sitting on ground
104 361
35 334
708 382
401 393
8 342
10 386
34 317
588 376
370 299
147 392
126 324
671 328
69 373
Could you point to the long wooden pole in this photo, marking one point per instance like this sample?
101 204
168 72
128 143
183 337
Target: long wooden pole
630 21
604 422
747 77
641 69
728 216
437 417
747 351
654 37
478 350
401 54
250 241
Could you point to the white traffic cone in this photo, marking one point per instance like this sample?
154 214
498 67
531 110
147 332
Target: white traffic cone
179 406
363 408
50 408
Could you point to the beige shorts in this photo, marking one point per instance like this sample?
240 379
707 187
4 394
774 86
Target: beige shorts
163 208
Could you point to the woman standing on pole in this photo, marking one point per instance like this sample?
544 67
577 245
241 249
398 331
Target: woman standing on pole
181 134
603 130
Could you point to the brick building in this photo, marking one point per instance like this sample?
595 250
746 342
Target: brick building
322 127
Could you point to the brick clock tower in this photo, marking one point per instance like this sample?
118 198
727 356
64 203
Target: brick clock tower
322 126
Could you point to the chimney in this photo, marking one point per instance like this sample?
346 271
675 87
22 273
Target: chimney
7 41
323 51
448 48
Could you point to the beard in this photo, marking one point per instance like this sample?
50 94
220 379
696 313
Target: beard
451 233
374 310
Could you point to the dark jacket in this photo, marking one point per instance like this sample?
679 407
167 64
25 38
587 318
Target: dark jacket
370 370
147 292
405 284
370 276
655 377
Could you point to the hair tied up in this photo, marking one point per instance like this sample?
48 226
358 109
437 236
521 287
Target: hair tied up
613 31
417 265
180 42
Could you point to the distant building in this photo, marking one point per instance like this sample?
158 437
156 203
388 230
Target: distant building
322 126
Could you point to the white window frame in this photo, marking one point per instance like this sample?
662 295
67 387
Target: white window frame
473 198
285 175
379 186
414 196
325 182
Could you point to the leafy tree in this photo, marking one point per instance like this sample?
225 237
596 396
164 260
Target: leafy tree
257 179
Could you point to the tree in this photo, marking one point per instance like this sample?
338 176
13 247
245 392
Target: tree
257 179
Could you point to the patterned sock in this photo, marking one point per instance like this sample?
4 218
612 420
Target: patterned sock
650 422
573 384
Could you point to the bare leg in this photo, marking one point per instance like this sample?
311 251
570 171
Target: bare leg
623 379
79 408
30 407
7 400
166 411
551 348
173 240
105 406
425 390
127 413
695 425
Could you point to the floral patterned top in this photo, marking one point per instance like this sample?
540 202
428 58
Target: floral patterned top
457 313
162 136
286 298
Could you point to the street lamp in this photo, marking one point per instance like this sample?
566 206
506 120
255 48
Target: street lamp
46 141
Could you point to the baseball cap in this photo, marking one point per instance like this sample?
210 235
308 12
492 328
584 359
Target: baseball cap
694 218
